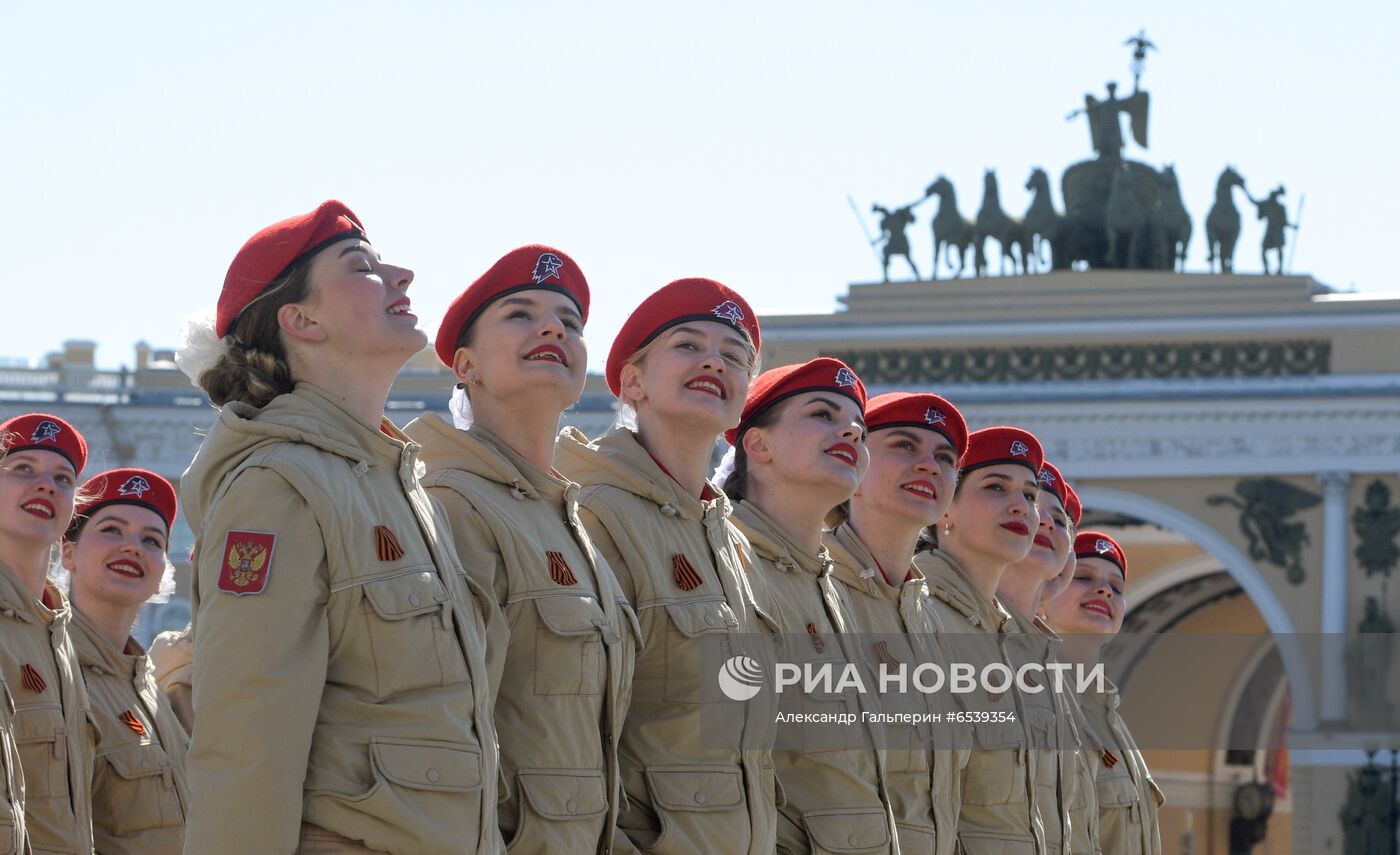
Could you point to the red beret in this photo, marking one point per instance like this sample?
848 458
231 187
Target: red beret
918 410
674 304
523 269
822 374
272 252
1073 506
43 431
1052 481
1096 544
130 487
995 445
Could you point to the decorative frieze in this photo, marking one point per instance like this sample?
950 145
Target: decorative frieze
1156 360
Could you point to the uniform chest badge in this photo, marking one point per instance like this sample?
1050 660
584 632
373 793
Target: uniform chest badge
684 574
816 637
132 722
247 562
386 544
31 679
559 569
1109 758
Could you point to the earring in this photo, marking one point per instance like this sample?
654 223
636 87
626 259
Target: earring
474 379
947 527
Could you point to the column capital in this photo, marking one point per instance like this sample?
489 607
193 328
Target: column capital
1334 481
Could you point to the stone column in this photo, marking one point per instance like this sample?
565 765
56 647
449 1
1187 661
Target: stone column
1335 486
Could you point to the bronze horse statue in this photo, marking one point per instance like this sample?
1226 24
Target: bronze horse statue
952 233
1171 224
994 223
1223 222
1042 222
1125 221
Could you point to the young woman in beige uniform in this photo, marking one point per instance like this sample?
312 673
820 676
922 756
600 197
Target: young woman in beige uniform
341 695
114 553
989 526
696 768
798 452
1064 796
915 443
514 339
1089 614
41 457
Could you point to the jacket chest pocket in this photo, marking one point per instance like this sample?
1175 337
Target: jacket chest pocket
569 655
831 718
411 634
42 738
995 777
138 794
847 831
688 625
560 812
1120 814
1116 791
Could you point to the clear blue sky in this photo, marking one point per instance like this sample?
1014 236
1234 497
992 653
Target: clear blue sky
144 142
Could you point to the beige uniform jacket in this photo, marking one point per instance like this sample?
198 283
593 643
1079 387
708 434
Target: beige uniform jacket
12 836
999 814
339 667
696 768
172 658
139 792
1057 733
923 785
835 782
1128 797
51 725
572 637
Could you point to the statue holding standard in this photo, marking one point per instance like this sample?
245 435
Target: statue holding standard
892 228
1275 218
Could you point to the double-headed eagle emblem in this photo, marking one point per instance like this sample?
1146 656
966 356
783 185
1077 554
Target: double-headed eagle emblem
245 562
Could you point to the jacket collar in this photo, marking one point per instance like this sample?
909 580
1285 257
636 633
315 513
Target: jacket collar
617 459
770 544
947 583
482 453
14 595
855 565
95 652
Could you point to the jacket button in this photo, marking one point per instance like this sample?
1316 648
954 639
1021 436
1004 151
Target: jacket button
852 840
710 619
699 798
413 600
433 776
40 730
145 764
9 612
570 806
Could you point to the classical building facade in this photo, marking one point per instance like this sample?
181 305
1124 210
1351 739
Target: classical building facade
1240 434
